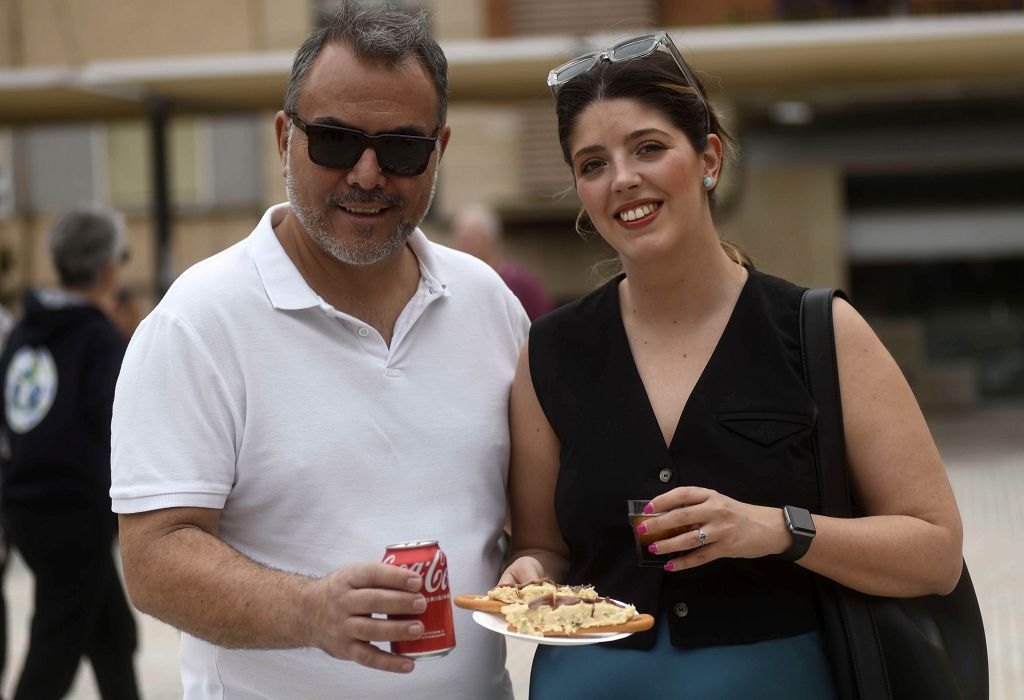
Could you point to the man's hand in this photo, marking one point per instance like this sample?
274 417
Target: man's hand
340 608
179 571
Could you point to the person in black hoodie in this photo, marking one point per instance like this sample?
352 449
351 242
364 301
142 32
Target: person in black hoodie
59 369
6 323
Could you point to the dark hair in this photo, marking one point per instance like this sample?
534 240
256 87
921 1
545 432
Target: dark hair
376 31
83 242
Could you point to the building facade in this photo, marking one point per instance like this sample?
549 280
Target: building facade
882 145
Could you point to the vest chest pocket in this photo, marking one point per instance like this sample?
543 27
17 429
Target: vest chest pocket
767 427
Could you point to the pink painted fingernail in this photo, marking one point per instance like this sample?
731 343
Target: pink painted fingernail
641 528
653 549
648 508
669 566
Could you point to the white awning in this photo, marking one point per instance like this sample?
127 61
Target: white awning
792 60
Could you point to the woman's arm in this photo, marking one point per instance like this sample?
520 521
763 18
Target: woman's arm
910 542
537 545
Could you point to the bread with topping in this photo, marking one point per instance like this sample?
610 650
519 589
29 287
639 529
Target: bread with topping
531 590
565 614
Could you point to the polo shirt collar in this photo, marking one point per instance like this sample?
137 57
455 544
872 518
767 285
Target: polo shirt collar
286 288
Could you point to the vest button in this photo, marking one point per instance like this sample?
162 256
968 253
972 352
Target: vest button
665 475
681 609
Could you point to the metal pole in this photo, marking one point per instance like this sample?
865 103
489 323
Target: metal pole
157 109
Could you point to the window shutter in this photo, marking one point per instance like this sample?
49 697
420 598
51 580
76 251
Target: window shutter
542 171
530 17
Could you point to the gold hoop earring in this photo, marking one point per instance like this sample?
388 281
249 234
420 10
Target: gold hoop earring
584 226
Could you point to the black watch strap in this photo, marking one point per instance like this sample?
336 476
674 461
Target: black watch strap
801 528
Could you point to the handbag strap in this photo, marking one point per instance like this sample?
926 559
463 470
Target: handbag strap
821 373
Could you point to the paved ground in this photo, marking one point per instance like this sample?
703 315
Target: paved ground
984 455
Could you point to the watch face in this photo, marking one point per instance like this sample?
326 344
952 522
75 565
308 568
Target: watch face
800 521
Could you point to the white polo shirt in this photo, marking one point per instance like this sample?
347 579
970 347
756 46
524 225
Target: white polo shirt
245 391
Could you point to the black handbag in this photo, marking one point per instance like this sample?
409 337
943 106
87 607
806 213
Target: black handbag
932 647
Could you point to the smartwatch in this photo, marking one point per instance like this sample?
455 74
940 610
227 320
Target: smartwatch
801 528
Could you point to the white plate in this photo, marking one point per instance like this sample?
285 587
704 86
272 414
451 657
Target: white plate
496 622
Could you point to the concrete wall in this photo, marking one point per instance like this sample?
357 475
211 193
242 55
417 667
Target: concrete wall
457 19
481 163
50 32
789 219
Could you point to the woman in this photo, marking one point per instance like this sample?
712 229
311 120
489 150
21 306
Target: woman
681 381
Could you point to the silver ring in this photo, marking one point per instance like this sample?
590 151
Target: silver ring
702 536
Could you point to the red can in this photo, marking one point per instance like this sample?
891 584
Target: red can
426 559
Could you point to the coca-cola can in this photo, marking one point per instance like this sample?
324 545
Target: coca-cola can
426 559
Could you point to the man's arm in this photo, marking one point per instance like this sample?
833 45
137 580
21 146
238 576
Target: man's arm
178 570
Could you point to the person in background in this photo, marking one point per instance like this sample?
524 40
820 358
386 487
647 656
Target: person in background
476 230
59 370
332 384
126 311
6 323
680 381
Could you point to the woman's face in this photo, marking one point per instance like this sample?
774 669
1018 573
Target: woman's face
638 177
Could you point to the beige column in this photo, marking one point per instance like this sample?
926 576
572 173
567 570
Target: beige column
790 220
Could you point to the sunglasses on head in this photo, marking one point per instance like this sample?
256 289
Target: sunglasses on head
636 47
341 147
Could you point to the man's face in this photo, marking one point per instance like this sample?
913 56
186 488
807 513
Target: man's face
360 215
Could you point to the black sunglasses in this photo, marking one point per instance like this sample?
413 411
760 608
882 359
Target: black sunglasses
341 147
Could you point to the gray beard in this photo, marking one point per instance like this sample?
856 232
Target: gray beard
362 251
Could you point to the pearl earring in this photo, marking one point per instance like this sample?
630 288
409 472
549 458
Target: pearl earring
709 182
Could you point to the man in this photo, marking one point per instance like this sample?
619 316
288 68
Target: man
59 369
332 384
476 230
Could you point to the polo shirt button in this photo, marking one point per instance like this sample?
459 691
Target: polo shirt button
665 475
681 609
364 332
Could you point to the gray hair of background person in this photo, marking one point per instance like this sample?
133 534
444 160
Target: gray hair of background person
378 32
485 215
83 242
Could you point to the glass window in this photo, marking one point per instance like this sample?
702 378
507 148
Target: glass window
63 163
234 156
6 175
183 145
128 171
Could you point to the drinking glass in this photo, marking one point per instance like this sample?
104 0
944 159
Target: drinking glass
644 557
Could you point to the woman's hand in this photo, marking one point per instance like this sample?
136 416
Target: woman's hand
731 528
522 570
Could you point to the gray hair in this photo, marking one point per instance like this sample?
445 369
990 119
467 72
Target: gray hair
83 242
379 32
485 215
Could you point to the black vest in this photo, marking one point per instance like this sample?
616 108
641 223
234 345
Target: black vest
745 432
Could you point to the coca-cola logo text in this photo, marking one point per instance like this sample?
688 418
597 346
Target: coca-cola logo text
435 578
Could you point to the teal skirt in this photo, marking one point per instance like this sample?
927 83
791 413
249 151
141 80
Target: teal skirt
791 668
